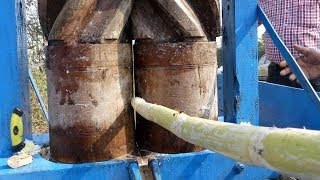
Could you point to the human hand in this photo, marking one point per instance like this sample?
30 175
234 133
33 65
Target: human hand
309 62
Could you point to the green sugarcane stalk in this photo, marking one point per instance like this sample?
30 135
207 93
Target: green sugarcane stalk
294 152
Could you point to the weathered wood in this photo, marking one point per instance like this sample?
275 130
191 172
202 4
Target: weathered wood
71 19
150 23
107 21
166 65
181 13
209 16
93 21
175 21
89 92
96 21
48 12
292 152
181 76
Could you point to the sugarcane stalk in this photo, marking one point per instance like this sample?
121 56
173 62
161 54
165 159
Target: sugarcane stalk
289 151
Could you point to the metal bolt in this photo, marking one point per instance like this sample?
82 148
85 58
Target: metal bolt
239 167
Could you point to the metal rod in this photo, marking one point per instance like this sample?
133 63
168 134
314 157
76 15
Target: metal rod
36 90
134 172
156 170
303 80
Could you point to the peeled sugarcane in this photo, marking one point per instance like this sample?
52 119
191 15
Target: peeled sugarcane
294 152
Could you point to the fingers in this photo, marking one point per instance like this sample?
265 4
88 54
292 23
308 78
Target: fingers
283 64
292 77
302 50
285 71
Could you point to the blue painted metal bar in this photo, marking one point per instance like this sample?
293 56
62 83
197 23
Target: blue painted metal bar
303 80
240 54
283 106
47 170
206 165
134 172
10 95
23 62
156 169
36 90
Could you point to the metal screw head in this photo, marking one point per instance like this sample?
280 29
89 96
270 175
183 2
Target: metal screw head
239 167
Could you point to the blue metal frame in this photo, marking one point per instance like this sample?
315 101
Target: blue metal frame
13 63
240 59
47 170
283 107
134 171
241 101
205 165
303 80
199 165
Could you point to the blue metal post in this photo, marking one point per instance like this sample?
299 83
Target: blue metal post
134 172
156 170
13 72
240 61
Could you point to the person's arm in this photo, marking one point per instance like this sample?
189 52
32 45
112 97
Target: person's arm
309 62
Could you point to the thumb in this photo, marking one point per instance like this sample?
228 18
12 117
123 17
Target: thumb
302 50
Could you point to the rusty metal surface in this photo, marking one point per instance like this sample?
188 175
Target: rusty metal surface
181 76
89 91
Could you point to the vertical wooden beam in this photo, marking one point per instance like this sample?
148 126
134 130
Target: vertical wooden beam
241 100
14 88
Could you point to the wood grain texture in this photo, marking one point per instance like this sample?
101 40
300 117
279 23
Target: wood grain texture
107 21
209 16
48 13
181 13
97 21
71 19
180 76
89 92
175 21
150 23
91 21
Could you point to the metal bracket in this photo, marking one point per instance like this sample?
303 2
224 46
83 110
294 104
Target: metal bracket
134 172
289 58
156 169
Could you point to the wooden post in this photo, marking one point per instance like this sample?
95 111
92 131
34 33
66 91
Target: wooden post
89 72
175 64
